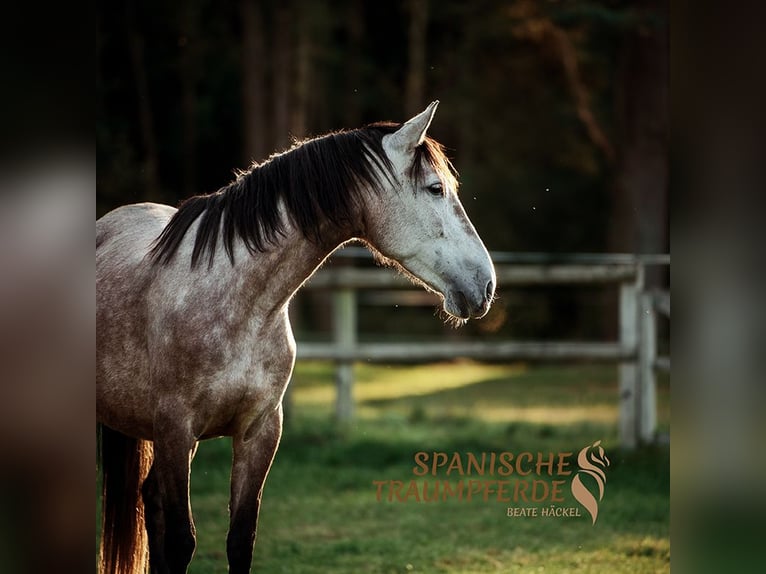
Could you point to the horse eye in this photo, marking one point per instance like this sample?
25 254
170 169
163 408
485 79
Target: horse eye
435 189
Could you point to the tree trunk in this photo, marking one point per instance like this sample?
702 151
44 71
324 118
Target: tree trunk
465 107
253 82
640 218
303 56
188 61
416 63
355 27
282 58
145 117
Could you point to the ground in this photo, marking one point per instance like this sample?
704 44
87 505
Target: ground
320 513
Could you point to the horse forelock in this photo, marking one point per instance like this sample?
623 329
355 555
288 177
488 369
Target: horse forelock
432 152
315 181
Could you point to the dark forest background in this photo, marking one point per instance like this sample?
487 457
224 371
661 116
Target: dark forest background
554 112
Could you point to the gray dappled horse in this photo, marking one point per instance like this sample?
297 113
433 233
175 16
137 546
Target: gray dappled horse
194 340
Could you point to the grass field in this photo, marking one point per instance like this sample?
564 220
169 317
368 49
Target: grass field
320 513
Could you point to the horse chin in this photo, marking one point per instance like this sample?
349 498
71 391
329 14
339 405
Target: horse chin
456 309
450 319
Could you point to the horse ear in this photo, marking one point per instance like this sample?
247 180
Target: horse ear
413 131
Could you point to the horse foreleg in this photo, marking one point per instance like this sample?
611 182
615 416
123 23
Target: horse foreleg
155 523
170 526
253 455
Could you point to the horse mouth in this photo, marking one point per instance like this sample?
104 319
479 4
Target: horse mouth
459 306
460 301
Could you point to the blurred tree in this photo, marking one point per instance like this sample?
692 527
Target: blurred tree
283 65
416 61
189 69
639 218
303 66
353 84
253 60
150 164
556 44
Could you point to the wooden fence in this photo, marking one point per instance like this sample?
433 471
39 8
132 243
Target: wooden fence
635 351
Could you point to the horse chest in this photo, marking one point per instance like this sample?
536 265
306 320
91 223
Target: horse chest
252 383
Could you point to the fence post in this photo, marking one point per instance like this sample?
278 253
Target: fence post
647 421
628 370
344 334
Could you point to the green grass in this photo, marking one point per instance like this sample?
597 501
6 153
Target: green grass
320 514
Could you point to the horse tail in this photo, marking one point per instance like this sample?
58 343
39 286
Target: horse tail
124 462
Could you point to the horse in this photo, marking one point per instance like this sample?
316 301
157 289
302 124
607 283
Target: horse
194 340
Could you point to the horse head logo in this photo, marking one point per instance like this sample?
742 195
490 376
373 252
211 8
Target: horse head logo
593 464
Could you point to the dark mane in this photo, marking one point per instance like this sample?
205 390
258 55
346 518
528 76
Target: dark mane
317 180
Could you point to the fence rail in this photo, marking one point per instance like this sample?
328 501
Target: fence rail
635 351
483 351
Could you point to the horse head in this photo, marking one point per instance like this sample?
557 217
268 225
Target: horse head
419 222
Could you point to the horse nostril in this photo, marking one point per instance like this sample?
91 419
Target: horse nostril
490 290
465 308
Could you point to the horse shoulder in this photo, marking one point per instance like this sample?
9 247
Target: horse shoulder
123 277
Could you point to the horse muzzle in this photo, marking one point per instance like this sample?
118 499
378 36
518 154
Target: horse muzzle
470 302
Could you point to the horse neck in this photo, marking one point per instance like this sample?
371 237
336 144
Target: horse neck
268 280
